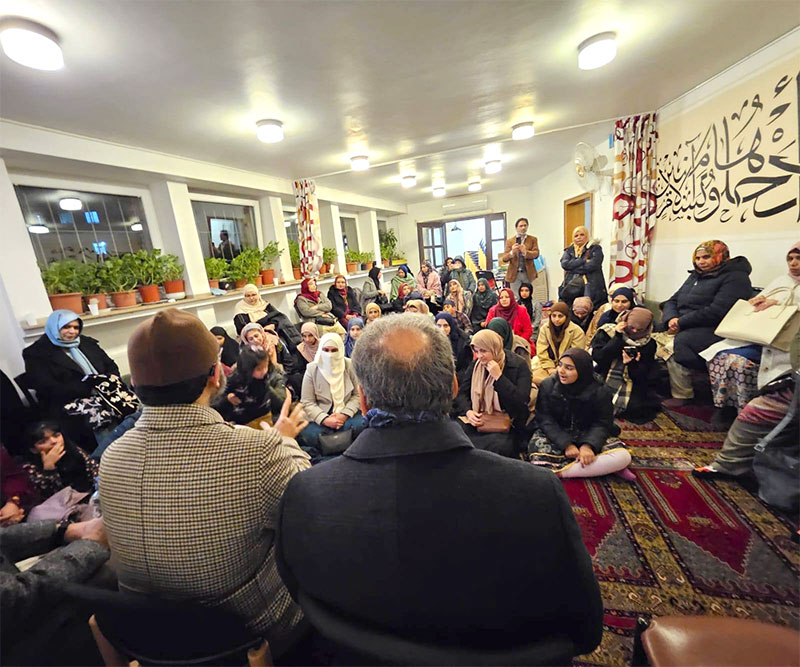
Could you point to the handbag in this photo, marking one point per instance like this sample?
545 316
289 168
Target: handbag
336 442
775 326
62 505
325 320
497 422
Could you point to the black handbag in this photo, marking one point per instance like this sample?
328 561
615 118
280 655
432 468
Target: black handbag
336 442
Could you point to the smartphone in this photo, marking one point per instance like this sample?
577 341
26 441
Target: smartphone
519 239
630 350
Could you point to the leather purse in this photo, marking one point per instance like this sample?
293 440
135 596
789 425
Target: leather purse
497 422
775 326
335 443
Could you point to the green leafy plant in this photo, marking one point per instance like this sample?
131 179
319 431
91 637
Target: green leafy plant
365 257
328 255
171 268
92 277
216 267
146 266
270 254
118 274
246 265
294 253
62 277
388 242
353 256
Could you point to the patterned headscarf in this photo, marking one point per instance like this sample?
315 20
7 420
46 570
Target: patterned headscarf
717 249
795 249
459 297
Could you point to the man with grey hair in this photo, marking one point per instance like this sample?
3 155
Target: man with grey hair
413 532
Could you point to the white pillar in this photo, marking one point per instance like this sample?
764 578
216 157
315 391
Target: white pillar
179 232
332 230
274 229
369 241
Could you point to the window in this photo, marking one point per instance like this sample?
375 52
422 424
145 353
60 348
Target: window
290 222
349 233
215 220
480 240
100 224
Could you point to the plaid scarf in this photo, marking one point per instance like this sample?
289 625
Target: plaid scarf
618 379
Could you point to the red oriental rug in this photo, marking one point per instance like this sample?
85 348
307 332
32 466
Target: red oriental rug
670 543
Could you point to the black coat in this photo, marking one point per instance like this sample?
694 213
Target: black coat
589 264
56 377
415 532
606 349
338 307
586 418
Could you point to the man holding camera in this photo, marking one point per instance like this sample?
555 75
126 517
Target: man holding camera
519 254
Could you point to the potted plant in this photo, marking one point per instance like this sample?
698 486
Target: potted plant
172 274
353 259
269 255
245 267
388 242
119 281
366 258
294 256
62 280
146 268
93 284
328 258
216 268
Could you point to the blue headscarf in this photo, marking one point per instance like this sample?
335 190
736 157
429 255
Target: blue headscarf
52 329
349 342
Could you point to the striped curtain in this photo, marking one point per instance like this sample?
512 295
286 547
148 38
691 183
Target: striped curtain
308 227
634 213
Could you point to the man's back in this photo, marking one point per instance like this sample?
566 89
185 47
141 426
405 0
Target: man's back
416 532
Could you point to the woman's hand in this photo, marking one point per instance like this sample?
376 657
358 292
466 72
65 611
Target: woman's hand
626 358
672 326
758 298
331 422
571 452
289 424
475 418
586 455
11 513
551 371
53 456
764 304
494 369
620 328
233 399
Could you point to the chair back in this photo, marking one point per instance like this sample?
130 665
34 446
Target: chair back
27 390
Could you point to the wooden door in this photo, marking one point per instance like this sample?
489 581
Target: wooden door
577 212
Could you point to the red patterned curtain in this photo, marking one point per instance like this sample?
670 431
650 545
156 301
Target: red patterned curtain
308 227
635 174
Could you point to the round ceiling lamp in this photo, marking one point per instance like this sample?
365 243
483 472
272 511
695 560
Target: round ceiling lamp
474 186
70 204
493 166
522 131
38 229
409 180
31 44
269 130
136 227
597 51
439 191
359 163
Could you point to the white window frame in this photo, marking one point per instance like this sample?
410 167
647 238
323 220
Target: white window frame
237 201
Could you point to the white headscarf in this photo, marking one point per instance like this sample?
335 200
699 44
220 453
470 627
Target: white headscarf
257 310
332 366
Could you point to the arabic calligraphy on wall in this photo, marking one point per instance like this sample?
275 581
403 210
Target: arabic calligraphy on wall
742 166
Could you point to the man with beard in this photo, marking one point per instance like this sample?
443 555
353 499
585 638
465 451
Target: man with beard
189 501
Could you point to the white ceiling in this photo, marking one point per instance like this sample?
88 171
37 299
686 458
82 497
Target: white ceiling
397 79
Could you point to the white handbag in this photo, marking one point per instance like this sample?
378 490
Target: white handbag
775 326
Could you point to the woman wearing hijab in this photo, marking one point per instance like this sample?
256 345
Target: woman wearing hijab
575 422
738 369
625 356
313 306
330 398
622 300
428 281
229 349
459 341
492 403
252 308
463 275
514 314
417 306
556 336
582 312
354 328
483 299
716 282
503 329
344 301
462 299
403 294
372 291
583 269
372 312
60 359
403 276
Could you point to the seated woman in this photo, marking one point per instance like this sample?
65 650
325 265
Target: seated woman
308 348
462 275
399 302
372 291
492 402
738 369
556 336
428 282
461 298
622 300
255 389
313 306
625 355
459 341
695 310
373 312
533 308
403 276
229 349
582 312
515 315
354 328
417 305
252 308
53 462
343 300
330 398
483 299
289 363
17 493
575 422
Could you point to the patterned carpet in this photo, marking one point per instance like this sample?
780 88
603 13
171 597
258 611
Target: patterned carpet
670 543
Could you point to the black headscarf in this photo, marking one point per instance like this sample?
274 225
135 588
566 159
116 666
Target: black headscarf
71 467
458 339
526 303
501 327
230 350
373 274
611 315
585 368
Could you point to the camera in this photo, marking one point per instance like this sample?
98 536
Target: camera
630 350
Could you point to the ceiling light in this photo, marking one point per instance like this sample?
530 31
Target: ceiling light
359 163
70 204
409 181
597 51
136 227
475 186
269 130
439 191
31 44
38 229
493 166
522 131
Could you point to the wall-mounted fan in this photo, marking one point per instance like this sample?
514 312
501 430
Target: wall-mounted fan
589 167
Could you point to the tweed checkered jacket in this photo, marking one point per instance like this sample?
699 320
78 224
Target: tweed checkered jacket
190 504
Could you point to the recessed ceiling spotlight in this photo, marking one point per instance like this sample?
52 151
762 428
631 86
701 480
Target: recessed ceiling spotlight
439 191
269 130
38 229
31 44
409 180
597 51
493 166
136 227
522 131
70 204
359 163
474 186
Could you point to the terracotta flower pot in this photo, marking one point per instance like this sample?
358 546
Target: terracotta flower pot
259 281
241 283
385 262
124 299
149 293
323 269
213 283
351 267
296 272
71 301
175 289
102 302
268 277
